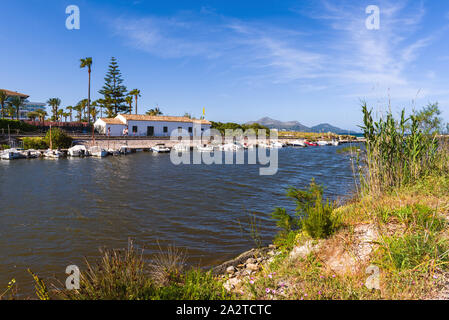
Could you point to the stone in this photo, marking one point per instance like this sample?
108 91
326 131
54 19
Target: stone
304 250
252 267
230 270
251 261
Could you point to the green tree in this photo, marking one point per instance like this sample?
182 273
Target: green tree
113 90
154 112
70 108
129 101
33 115
17 103
54 104
79 108
87 62
136 94
3 97
59 139
41 115
428 118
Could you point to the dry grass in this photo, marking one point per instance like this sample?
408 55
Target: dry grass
167 265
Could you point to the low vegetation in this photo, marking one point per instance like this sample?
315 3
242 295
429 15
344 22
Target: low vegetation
222 127
15 126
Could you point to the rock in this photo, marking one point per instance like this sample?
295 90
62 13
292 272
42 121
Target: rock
252 267
232 283
251 261
304 250
272 246
230 270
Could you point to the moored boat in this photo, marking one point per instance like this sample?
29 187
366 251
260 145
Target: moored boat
205 148
78 151
297 143
311 144
53 154
98 152
160 148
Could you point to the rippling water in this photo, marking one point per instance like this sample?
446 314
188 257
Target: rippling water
53 213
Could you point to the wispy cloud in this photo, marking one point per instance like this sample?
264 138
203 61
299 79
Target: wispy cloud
354 58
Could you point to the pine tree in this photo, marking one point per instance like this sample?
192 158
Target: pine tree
114 91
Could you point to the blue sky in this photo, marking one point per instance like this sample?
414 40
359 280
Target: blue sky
311 61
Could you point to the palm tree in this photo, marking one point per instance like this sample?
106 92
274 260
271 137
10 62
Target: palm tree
16 102
54 103
129 101
66 115
60 114
41 115
94 114
33 115
79 109
87 62
70 108
136 94
154 112
3 97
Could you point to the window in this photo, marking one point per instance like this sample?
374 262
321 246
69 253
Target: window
190 129
134 129
165 129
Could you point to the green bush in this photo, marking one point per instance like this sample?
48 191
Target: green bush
312 214
59 139
16 124
34 143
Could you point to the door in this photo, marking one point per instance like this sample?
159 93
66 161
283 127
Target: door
150 131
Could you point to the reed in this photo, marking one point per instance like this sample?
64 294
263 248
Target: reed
398 152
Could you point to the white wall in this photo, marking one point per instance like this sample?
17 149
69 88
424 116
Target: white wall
159 127
117 129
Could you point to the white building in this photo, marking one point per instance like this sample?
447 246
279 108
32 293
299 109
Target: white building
150 126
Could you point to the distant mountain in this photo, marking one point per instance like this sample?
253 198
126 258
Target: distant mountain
326 127
276 124
297 126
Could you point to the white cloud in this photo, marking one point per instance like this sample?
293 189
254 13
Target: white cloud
354 60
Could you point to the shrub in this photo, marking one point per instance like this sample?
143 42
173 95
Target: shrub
59 139
34 143
16 125
312 214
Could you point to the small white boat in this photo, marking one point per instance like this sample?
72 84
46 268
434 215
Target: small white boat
277 144
298 143
10 154
265 146
114 152
53 154
160 148
335 143
181 147
205 148
78 151
124 150
97 152
31 154
230 147
323 143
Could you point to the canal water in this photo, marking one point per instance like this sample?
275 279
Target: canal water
53 213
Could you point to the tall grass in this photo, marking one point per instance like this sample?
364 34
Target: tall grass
398 152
